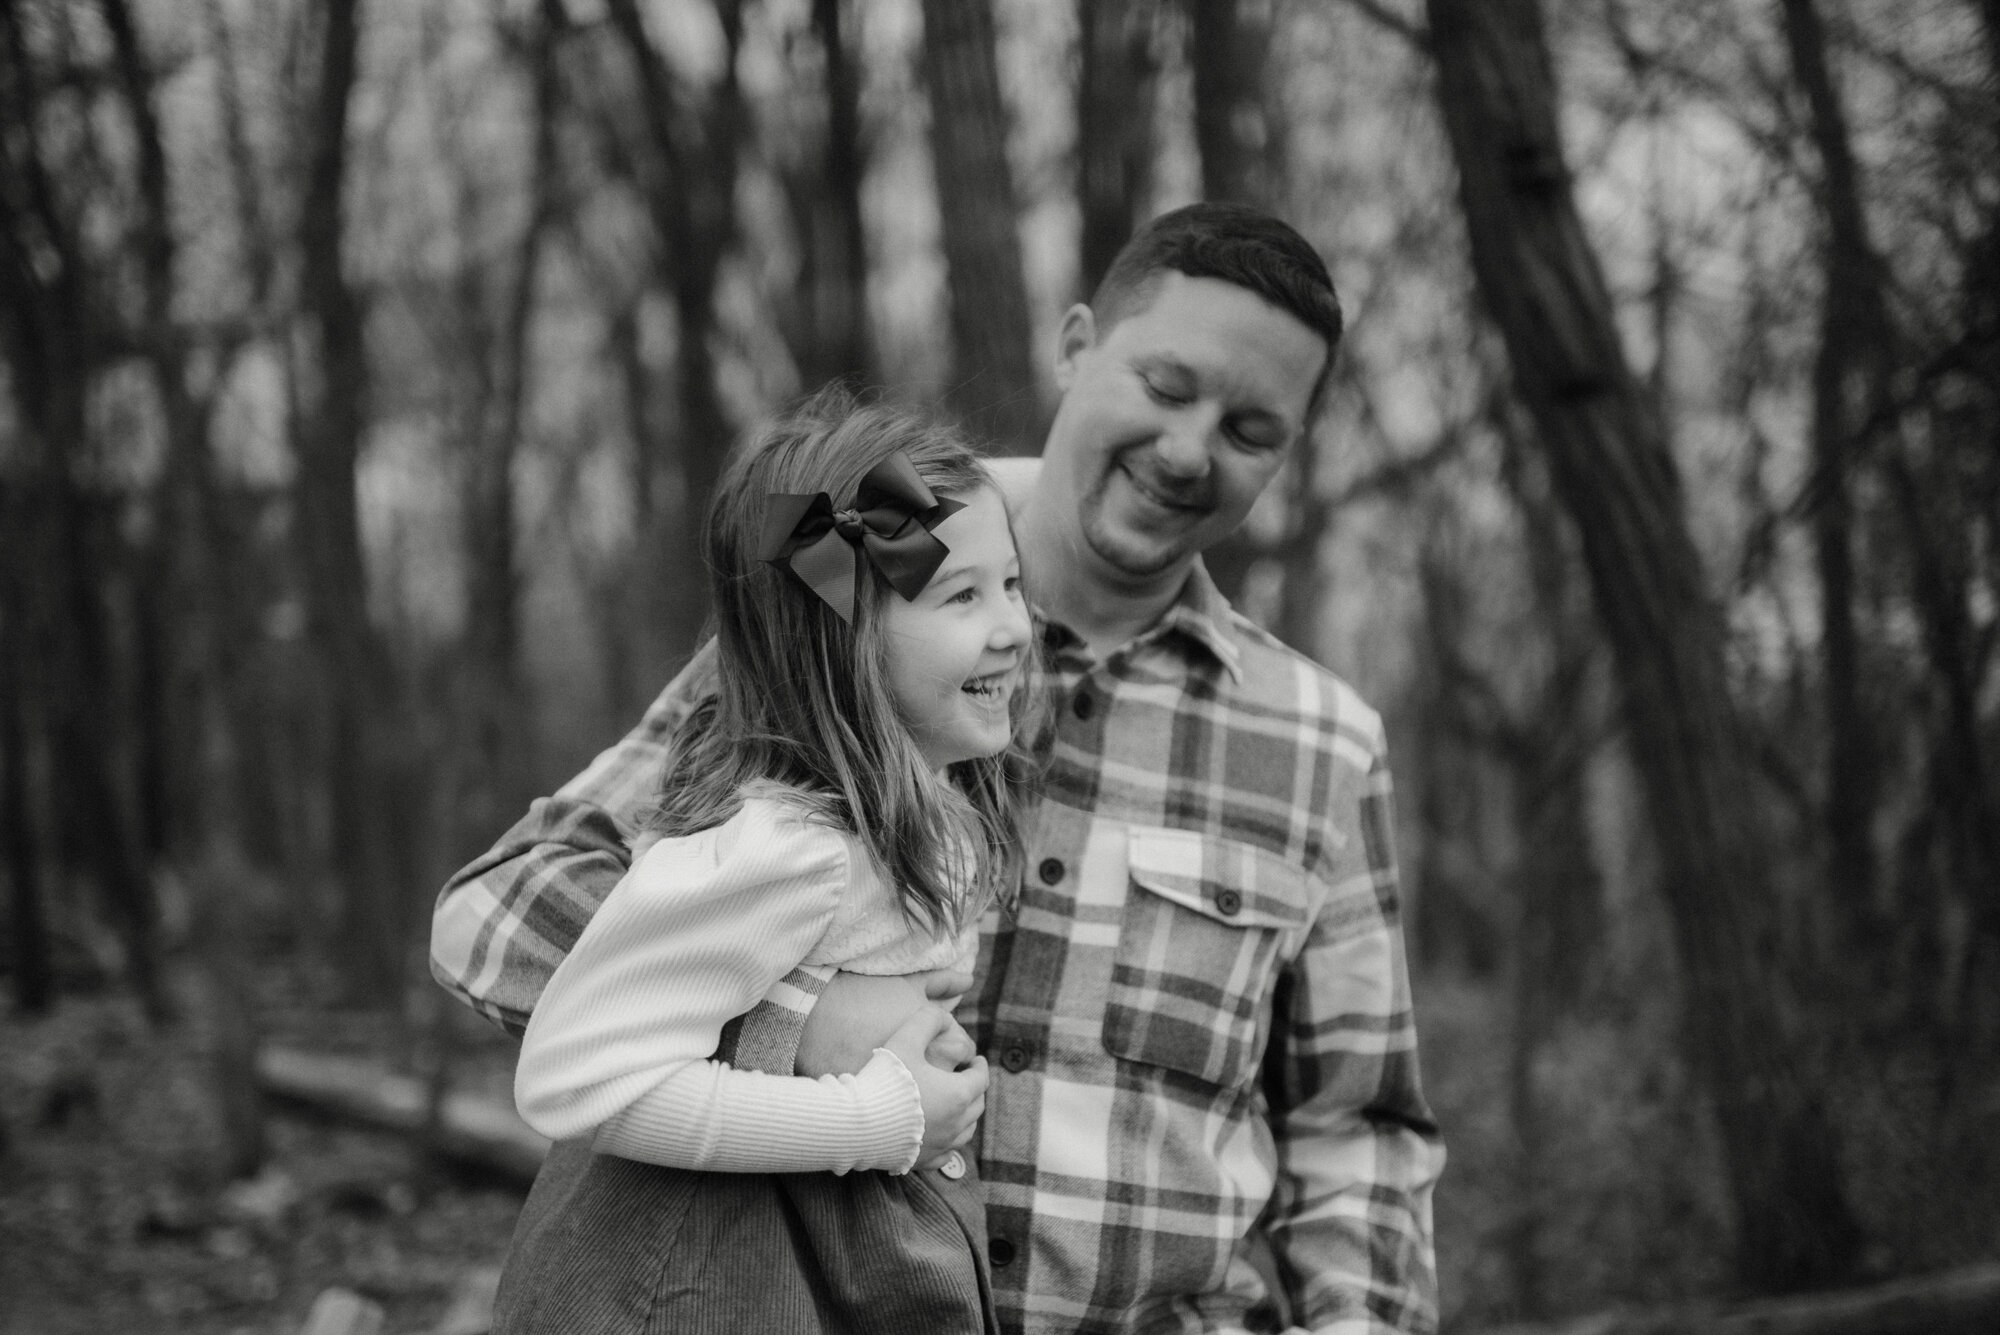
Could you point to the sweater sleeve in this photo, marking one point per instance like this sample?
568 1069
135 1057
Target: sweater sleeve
701 928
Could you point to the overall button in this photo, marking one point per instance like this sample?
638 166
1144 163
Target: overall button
1051 870
1014 1058
953 1166
1228 902
999 1251
1082 705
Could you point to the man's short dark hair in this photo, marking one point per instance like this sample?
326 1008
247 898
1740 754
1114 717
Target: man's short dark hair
1236 244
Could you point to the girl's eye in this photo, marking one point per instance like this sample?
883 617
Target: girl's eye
962 596
1172 397
1013 583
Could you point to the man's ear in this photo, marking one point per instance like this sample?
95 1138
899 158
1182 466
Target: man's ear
1079 332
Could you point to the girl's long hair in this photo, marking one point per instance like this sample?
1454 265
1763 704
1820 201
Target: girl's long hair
802 698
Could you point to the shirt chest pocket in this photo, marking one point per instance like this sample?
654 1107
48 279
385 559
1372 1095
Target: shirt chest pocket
1204 924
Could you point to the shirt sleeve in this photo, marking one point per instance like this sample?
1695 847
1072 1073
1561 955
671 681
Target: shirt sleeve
505 921
1358 1148
695 934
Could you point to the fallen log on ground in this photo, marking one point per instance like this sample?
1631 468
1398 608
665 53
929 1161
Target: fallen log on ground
1956 1302
480 1131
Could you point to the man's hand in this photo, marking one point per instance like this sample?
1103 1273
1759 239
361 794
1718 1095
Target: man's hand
857 1013
952 1100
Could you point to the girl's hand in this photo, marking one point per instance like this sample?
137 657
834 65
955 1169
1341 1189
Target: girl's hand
952 1099
952 1049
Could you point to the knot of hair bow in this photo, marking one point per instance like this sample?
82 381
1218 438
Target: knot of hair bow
889 526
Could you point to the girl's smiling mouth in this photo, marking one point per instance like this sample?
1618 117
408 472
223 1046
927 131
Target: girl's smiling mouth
991 688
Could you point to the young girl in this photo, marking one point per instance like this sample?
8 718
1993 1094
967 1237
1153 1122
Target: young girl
848 799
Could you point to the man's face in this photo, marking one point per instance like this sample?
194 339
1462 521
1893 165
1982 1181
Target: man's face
1174 419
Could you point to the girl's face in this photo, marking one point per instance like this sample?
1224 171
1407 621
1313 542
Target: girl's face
956 649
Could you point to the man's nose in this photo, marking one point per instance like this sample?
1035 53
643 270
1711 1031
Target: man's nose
1183 448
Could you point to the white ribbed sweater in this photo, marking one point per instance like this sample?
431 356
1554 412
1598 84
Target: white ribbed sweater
698 932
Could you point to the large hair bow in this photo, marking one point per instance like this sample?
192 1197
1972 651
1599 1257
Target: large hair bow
889 526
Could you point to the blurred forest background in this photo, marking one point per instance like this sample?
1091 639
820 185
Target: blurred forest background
366 366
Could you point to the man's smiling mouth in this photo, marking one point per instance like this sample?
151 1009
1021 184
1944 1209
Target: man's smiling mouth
1162 499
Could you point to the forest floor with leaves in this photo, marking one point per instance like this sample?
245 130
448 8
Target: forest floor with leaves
112 1217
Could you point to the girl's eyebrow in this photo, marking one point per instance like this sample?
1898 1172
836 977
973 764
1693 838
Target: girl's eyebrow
948 572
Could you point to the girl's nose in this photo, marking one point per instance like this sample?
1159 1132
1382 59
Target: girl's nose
1012 627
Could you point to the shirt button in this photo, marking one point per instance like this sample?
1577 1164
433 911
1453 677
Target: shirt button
999 1251
1227 902
953 1166
1014 1058
1051 870
1082 705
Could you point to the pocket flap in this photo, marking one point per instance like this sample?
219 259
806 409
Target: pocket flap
1233 883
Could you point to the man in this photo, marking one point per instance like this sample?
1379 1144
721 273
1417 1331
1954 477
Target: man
1196 1012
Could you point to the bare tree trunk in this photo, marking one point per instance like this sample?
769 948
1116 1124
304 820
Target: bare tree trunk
53 329
1458 729
1965 790
691 193
1301 595
839 344
1533 729
1558 892
267 797
244 175
97 830
634 640
1950 508
1227 44
32 957
1544 287
1853 335
992 382
1114 126
355 682
490 756
1550 752
824 310
692 199
197 826
186 776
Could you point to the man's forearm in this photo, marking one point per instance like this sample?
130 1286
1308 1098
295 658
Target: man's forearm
504 922
1355 1228
1358 1148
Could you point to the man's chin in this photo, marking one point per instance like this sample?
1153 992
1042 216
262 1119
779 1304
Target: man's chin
1134 555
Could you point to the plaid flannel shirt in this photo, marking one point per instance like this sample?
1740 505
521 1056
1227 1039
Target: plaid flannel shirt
1197 1013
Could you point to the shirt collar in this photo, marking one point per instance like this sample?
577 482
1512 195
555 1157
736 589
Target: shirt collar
1200 614
1203 615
